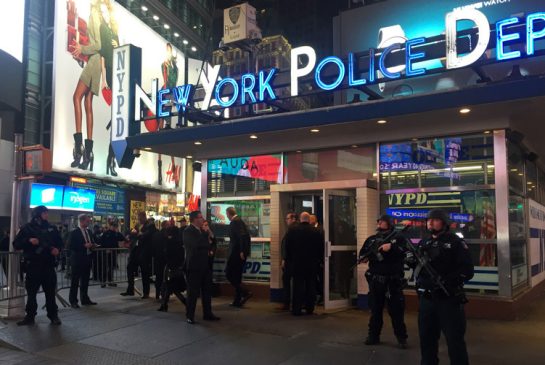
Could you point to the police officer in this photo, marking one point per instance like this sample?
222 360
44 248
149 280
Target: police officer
386 280
41 244
444 265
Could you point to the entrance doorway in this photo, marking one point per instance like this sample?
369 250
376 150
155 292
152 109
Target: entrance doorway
337 206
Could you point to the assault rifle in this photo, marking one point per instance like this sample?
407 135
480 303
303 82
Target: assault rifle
374 249
423 263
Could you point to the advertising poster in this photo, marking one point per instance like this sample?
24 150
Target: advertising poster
537 241
86 32
135 208
267 167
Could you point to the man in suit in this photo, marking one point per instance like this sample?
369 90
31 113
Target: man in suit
141 255
239 250
304 249
81 245
199 275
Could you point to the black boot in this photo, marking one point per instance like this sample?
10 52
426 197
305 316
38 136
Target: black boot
160 168
77 152
88 156
110 162
27 321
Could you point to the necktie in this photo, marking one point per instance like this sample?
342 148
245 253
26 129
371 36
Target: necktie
87 239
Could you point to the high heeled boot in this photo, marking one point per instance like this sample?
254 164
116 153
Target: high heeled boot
77 152
88 156
160 172
110 162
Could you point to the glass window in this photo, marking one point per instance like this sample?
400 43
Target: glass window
449 161
531 180
541 185
517 241
331 165
515 163
256 215
244 176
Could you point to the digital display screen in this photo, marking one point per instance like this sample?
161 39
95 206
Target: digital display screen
79 199
46 195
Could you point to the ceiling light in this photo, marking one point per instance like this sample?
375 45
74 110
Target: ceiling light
464 110
144 8
314 130
253 136
166 26
514 170
198 143
155 17
176 35
147 148
521 174
298 151
185 42
354 146
414 139
194 49
529 183
382 121
188 156
486 132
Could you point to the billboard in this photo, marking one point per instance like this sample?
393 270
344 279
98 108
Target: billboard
383 24
12 21
86 34
266 167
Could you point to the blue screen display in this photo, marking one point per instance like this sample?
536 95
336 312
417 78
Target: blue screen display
47 195
79 199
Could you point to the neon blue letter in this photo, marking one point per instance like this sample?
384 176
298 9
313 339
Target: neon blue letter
351 81
247 89
409 57
182 95
502 38
325 61
381 64
265 84
161 102
228 103
531 34
371 76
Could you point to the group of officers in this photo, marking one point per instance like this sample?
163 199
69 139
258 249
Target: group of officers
441 265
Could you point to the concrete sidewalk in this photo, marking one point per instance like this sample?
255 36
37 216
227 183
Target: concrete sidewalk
131 331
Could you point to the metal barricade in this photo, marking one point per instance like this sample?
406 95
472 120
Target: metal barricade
15 275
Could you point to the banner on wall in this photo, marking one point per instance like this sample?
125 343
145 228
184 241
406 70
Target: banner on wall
536 220
267 167
108 201
86 33
136 207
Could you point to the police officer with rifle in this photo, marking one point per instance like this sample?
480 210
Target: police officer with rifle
41 244
442 264
385 252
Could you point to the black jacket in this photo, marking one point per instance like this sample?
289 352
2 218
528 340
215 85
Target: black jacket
175 252
196 249
239 238
48 236
304 249
449 256
77 244
392 261
145 242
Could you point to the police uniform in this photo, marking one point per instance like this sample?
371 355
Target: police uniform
39 264
386 280
442 310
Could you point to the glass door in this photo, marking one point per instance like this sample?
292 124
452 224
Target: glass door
340 224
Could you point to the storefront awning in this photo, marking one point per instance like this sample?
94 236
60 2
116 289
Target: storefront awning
515 103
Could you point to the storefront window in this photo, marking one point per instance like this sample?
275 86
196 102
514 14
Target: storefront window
331 165
243 176
531 180
256 215
517 241
438 162
473 217
515 163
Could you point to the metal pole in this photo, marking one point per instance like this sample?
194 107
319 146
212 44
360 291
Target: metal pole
15 306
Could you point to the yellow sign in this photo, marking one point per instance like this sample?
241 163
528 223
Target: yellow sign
136 207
